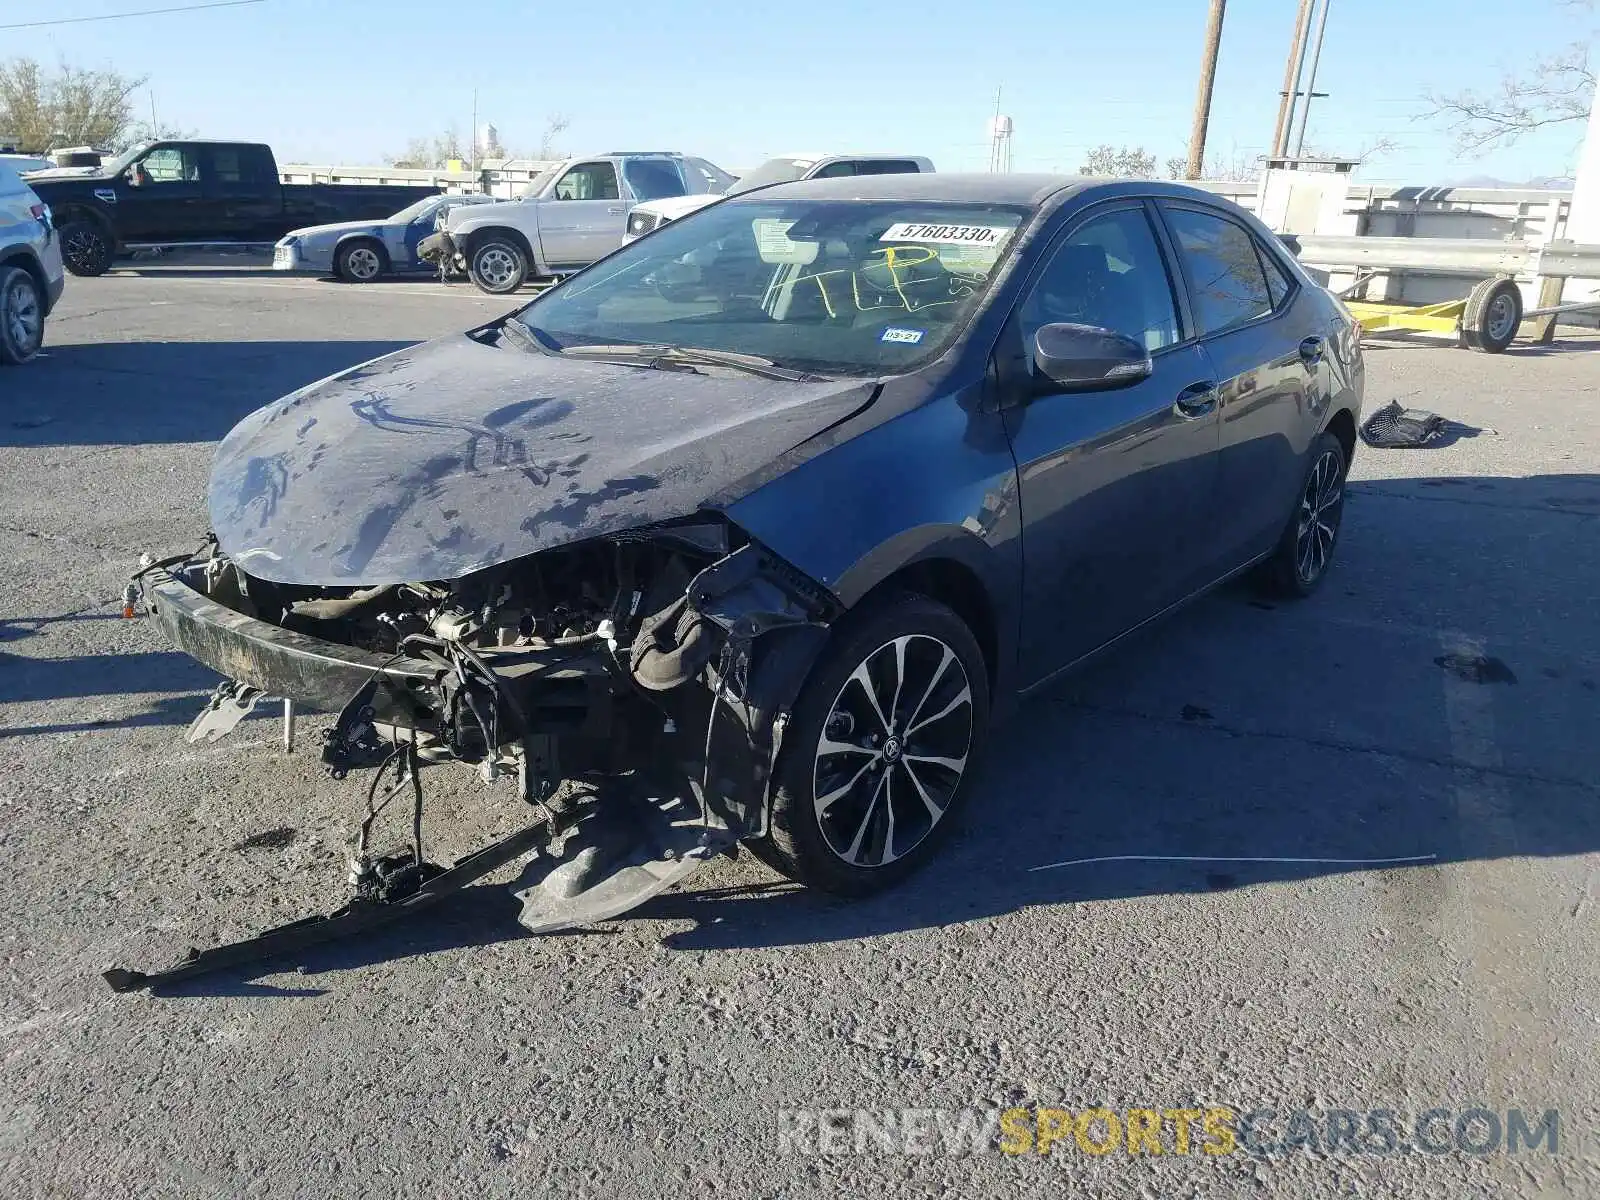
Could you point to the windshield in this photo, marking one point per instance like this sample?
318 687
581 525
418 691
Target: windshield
774 170
421 208
120 163
840 286
537 184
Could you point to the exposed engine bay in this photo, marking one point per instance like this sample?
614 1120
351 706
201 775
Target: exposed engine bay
654 666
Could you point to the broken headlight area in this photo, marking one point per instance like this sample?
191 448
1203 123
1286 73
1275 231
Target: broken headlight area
652 669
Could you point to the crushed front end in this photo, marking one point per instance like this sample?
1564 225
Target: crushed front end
650 670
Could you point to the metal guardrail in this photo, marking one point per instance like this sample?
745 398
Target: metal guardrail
1449 256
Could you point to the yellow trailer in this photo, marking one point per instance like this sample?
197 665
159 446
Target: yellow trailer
1487 320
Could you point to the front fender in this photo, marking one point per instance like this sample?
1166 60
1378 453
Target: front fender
934 484
331 253
86 210
525 228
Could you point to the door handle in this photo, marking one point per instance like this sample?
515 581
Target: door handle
614 210
1196 400
1312 348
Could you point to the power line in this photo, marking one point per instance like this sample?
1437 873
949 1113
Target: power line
148 12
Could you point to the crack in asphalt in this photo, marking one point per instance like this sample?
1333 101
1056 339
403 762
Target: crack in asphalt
1445 763
1548 507
42 536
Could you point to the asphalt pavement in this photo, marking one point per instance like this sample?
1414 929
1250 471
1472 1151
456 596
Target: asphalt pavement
1330 856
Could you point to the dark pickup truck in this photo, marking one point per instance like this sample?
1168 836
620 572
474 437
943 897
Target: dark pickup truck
172 193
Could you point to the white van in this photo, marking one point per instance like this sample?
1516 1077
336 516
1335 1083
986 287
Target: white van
31 277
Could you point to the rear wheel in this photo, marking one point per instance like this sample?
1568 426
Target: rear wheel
85 248
1305 550
360 262
880 748
21 316
498 265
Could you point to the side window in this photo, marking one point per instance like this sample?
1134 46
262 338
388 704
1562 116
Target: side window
259 167
838 170
1278 285
1224 270
166 164
652 178
889 166
225 165
589 181
1109 272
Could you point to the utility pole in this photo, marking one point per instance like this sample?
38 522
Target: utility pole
1291 80
472 158
1202 101
1311 77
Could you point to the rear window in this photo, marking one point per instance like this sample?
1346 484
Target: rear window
652 178
1225 273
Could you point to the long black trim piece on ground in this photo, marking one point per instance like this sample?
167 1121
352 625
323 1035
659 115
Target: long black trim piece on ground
358 916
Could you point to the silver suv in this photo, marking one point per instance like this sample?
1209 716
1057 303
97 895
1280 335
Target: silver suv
571 215
31 278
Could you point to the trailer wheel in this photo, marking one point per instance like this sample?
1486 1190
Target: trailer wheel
1493 315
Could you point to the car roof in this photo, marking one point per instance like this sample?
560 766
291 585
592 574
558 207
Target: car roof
1031 190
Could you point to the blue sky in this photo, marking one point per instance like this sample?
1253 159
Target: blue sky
353 80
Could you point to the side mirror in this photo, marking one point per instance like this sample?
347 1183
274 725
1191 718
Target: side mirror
1086 358
132 176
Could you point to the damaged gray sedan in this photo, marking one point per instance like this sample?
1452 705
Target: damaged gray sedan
746 532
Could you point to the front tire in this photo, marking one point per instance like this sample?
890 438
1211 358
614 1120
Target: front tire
360 262
21 316
498 266
85 248
880 748
1305 551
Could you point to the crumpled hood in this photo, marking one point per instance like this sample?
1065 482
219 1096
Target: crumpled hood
452 456
335 229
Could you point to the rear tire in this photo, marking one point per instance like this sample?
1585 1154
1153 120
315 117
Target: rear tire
21 316
360 262
1305 551
498 265
888 795
1492 316
85 248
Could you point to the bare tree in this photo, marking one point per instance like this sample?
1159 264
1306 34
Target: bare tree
1129 161
432 152
1558 89
1236 167
153 131
554 126
71 106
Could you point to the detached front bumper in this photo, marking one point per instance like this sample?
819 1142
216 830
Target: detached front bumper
280 662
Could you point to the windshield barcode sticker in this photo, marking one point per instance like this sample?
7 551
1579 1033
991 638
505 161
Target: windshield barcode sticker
949 235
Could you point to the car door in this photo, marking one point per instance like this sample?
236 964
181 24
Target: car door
583 216
1261 335
401 239
230 206
1115 485
158 197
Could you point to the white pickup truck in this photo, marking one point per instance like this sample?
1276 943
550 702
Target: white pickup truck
785 169
571 215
